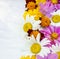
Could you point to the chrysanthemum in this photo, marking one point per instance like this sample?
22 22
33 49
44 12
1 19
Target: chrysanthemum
36 47
49 8
30 23
31 5
56 49
52 33
34 13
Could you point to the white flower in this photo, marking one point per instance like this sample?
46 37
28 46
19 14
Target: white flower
35 24
55 48
35 46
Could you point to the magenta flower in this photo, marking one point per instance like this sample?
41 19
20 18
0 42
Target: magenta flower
50 56
59 1
48 8
52 33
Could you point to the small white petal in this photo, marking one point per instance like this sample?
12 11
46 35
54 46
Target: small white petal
45 41
38 37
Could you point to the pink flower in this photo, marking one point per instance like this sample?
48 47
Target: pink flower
52 33
48 8
50 56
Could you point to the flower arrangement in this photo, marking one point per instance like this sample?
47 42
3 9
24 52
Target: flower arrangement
42 37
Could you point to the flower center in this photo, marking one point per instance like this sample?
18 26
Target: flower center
27 26
54 35
58 53
35 48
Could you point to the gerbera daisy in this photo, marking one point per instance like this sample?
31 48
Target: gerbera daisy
36 47
52 33
56 49
30 23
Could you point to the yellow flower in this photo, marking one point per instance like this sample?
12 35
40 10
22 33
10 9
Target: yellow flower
30 12
34 12
56 18
37 14
54 1
40 1
28 57
27 26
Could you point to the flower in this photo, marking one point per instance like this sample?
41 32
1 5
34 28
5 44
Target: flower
33 32
36 47
47 8
28 57
30 23
56 49
27 26
49 56
56 18
45 21
34 13
31 5
52 33
40 1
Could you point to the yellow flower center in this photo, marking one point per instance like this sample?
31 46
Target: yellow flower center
27 26
54 35
58 53
56 18
35 48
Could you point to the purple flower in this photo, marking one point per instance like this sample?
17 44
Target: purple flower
48 8
50 56
52 33
57 6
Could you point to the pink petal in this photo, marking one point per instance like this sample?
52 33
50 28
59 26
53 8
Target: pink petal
52 56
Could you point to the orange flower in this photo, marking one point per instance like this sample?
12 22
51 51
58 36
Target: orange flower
45 21
31 5
33 32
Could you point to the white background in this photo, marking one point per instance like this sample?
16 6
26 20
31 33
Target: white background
11 32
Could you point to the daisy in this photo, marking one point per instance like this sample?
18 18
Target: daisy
36 47
56 49
52 33
30 23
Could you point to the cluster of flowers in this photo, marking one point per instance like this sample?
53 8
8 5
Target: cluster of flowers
42 38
